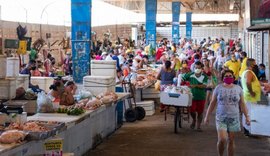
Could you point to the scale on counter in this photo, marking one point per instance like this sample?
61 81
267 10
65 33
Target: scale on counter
9 109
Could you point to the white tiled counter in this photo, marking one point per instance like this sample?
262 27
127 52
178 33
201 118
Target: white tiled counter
80 134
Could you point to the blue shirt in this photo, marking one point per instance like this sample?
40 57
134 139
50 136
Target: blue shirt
166 77
27 71
114 57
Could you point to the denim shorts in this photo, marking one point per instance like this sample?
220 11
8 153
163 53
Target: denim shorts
228 124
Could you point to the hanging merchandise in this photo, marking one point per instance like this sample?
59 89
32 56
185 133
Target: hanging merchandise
22 47
33 54
21 32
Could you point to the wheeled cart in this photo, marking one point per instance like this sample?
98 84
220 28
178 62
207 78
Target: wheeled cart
181 102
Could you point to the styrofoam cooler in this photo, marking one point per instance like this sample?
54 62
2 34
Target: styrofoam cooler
7 88
149 107
13 67
44 83
22 81
103 68
3 65
99 84
175 99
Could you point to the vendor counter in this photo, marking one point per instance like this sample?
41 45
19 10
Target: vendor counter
80 133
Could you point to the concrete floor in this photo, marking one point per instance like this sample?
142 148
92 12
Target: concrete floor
155 137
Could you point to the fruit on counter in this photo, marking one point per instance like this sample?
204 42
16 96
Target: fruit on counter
62 110
75 111
12 136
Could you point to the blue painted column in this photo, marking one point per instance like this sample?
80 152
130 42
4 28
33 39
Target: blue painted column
81 38
175 21
188 25
150 11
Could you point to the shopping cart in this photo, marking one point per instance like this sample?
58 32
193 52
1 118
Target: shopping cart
181 102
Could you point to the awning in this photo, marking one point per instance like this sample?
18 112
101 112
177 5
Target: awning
259 27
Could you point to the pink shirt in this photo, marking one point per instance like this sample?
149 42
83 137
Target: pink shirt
98 57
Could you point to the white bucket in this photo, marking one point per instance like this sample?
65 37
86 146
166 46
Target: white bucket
103 68
22 81
99 84
44 83
13 67
3 65
7 88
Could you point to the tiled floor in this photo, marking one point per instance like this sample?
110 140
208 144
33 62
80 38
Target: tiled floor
154 136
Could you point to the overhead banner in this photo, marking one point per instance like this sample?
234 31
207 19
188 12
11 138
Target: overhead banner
188 25
150 25
80 38
175 21
260 11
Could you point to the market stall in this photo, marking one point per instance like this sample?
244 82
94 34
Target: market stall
79 134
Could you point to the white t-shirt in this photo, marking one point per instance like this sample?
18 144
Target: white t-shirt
220 60
108 58
121 59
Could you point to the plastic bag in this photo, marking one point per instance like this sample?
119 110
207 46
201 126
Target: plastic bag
157 85
44 103
83 94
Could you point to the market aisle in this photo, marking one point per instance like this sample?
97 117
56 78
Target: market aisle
154 136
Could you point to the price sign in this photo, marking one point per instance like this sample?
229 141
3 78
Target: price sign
54 147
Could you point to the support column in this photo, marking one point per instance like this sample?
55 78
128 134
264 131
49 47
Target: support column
81 38
188 25
151 11
175 21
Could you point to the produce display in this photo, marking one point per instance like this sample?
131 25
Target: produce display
12 136
75 111
71 110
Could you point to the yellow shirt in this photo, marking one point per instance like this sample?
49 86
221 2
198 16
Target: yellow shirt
234 66
255 85
243 66
177 64
216 46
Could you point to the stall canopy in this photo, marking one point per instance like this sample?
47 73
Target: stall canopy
259 27
57 12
